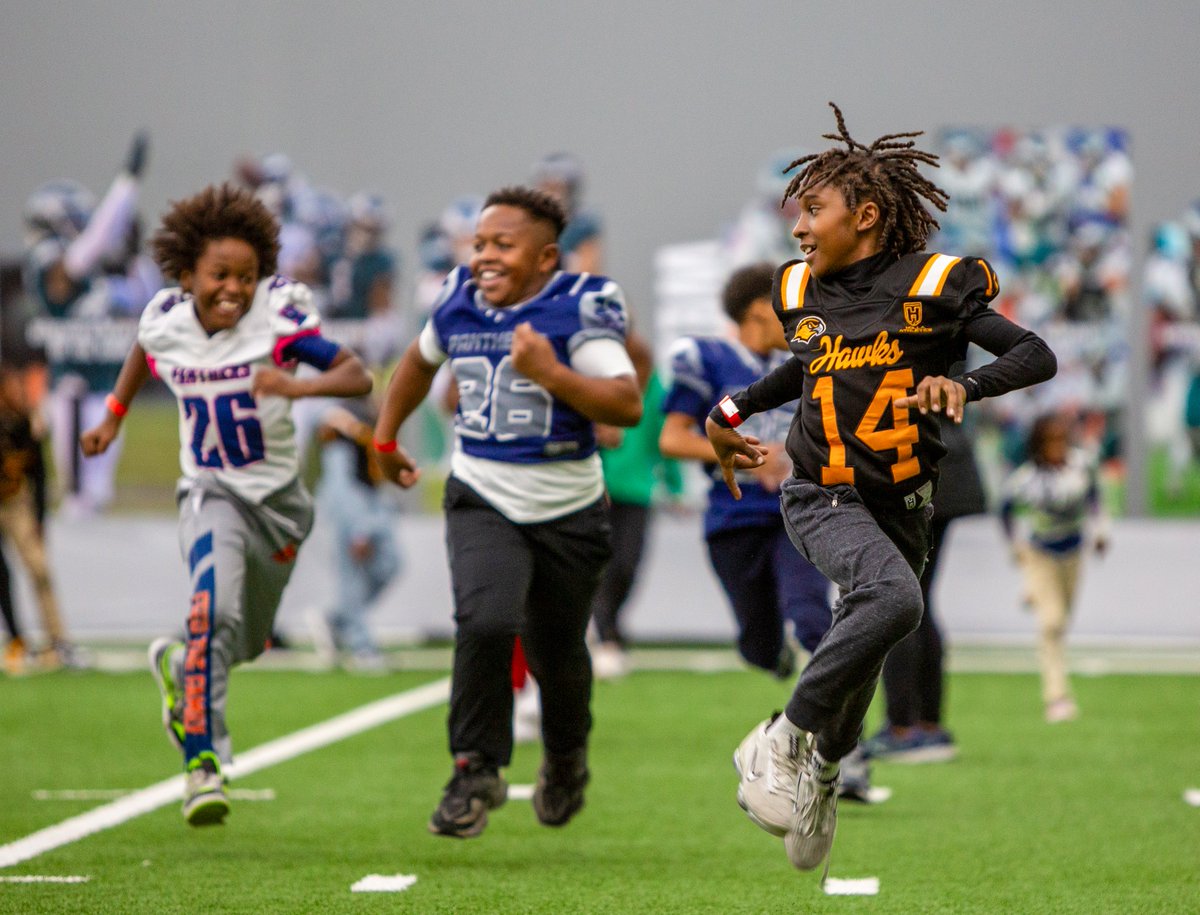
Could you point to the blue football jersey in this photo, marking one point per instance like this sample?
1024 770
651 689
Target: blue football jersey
704 370
502 415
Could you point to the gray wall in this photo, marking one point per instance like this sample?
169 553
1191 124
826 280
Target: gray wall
672 106
125 581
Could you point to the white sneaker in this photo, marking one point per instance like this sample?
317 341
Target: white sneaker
609 661
527 713
810 833
769 767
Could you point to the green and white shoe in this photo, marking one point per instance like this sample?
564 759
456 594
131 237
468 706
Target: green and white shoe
204 800
160 654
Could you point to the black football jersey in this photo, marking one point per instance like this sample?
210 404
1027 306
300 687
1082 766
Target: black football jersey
862 340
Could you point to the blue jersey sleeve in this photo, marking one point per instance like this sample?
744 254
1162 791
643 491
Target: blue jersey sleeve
691 389
312 349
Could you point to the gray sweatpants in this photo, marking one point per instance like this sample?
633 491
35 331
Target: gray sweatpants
875 559
240 557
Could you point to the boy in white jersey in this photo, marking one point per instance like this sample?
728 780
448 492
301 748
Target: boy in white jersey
539 357
226 341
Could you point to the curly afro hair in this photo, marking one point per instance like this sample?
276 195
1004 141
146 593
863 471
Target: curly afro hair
218 211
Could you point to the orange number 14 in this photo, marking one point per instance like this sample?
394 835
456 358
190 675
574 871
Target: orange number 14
899 438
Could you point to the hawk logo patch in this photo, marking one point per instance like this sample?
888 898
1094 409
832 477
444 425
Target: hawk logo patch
809 329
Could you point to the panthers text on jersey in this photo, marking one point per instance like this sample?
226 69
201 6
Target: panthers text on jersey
502 415
703 370
247 443
863 339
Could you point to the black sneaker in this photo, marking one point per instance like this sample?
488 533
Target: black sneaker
473 790
558 795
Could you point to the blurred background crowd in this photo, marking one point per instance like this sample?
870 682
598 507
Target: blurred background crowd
1048 208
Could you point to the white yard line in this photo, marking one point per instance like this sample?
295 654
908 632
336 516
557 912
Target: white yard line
108 794
268 754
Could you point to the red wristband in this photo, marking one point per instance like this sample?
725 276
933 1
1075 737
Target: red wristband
385 447
730 411
115 407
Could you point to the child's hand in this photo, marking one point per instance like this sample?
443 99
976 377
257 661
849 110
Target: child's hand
532 353
938 394
97 439
398 466
733 453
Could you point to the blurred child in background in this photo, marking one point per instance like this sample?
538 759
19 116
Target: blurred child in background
366 556
1056 493
634 468
21 525
767 582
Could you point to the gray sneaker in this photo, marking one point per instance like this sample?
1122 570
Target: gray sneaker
814 821
768 766
204 800
160 653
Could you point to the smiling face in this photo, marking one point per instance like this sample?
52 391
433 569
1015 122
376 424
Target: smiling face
832 236
514 255
222 283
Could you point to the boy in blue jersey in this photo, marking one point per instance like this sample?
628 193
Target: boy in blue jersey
538 356
766 580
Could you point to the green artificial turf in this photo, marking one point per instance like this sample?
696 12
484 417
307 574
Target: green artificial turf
1080 817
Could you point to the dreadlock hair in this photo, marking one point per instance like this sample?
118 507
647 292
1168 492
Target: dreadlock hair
218 211
885 172
538 204
744 287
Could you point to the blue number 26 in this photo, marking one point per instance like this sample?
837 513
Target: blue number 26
239 433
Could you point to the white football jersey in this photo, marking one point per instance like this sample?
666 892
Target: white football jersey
246 443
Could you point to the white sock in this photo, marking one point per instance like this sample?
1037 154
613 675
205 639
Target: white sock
824 771
783 725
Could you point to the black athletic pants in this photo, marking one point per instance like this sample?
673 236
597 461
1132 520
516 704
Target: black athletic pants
533 580
629 523
913 673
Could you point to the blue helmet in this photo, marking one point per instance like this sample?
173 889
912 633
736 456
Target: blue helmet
60 208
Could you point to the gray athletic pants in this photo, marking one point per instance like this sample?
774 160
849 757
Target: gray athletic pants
240 557
875 558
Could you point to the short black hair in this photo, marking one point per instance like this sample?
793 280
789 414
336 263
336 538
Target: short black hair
538 204
744 287
1042 429
218 211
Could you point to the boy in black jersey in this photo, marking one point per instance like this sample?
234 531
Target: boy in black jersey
877 329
